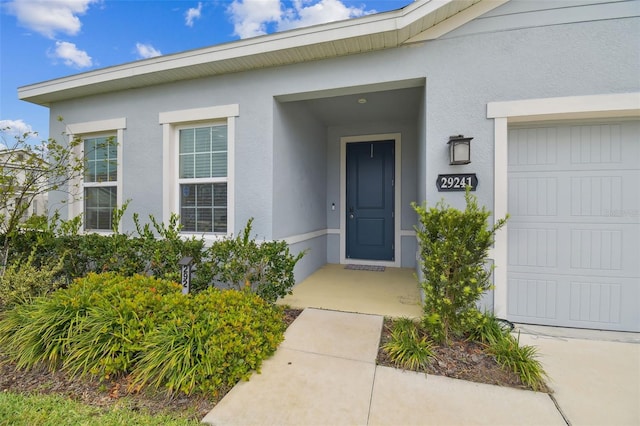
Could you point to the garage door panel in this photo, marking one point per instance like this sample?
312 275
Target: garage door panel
530 297
574 228
568 301
533 247
595 302
533 196
603 250
596 249
596 144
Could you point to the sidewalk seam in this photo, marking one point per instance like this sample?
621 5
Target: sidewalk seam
373 385
329 355
555 402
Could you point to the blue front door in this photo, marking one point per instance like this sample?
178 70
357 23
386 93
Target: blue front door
370 200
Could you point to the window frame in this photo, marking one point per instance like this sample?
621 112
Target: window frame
89 130
206 180
174 121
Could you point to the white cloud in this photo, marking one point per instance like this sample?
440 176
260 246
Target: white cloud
146 51
251 18
71 55
318 13
12 129
49 17
192 14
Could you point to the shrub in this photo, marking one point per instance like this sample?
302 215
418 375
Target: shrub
210 341
23 281
154 249
95 326
106 324
163 249
506 349
265 268
408 347
454 246
519 359
109 338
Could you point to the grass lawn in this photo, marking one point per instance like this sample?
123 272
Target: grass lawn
54 410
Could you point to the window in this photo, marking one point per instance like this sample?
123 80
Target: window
100 182
203 178
198 168
97 193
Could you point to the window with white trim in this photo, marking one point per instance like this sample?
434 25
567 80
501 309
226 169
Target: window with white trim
97 193
100 183
198 148
203 177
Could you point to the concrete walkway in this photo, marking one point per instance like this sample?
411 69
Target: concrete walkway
324 373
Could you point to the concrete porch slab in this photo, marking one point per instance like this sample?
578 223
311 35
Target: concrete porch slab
393 293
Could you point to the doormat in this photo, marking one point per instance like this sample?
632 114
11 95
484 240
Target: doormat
365 268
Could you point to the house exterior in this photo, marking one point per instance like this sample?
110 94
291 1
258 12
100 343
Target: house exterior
20 185
326 134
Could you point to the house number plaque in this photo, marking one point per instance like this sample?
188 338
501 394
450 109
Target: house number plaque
456 182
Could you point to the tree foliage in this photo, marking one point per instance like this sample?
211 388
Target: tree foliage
27 171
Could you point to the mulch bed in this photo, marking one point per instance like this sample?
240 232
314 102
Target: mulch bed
463 359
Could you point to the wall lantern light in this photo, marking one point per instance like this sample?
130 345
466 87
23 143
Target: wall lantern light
459 150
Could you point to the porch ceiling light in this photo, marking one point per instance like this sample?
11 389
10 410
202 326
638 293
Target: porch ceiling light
459 150
362 100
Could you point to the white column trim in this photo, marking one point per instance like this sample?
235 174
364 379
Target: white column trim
499 251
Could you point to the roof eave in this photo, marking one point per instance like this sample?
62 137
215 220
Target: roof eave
390 29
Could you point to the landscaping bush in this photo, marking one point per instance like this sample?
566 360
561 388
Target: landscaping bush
154 250
266 268
110 336
507 351
408 347
454 247
106 324
23 281
95 326
210 341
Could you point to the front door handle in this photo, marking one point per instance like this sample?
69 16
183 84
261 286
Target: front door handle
351 213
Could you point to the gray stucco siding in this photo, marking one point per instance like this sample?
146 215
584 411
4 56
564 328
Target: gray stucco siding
299 195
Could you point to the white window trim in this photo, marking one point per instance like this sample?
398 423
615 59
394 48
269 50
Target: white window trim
91 129
396 137
617 105
172 122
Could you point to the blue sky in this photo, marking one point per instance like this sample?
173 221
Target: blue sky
46 39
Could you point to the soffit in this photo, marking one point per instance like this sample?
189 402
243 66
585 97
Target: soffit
366 34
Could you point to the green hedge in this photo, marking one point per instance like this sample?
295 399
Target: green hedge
266 268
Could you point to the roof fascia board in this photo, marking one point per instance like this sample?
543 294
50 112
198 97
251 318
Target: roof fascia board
456 21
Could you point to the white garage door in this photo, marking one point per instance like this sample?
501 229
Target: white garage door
574 231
